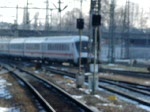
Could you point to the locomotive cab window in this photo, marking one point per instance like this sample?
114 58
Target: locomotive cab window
84 46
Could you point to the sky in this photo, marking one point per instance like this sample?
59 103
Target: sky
142 3
9 15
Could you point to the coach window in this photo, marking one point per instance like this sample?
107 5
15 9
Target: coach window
28 46
12 46
61 47
67 47
52 47
64 47
56 46
48 47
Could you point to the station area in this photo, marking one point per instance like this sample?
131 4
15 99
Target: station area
74 56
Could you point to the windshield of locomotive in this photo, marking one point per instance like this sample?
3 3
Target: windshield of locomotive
84 46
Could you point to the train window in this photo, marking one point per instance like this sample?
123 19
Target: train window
1 46
49 47
57 46
16 46
52 46
33 46
84 46
61 47
64 47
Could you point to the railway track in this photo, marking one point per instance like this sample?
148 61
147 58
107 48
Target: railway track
135 74
123 89
132 84
143 75
127 84
118 86
51 97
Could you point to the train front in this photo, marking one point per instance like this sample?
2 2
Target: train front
84 49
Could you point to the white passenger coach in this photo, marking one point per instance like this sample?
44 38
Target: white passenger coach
4 47
54 49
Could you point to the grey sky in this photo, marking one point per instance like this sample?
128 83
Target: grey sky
9 15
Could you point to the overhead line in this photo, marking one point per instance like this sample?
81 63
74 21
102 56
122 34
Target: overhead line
28 8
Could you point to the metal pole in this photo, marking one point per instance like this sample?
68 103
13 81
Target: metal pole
80 33
17 14
90 35
17 21
60 21
111 30
95 61
80 61
59 10
51 17
47 16
99 34
81 8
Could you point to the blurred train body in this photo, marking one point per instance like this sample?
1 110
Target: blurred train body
53 49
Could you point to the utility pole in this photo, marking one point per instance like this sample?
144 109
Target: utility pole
81 1
111 32
47 16
26 21
60 10
127 29
16 23
51 17
27 16
17 15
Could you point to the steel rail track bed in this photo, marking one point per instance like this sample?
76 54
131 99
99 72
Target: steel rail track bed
73 104
135 74
73 75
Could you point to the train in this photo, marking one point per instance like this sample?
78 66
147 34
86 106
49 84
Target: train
51 49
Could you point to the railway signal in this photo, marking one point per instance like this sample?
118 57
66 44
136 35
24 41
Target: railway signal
95 22
80 76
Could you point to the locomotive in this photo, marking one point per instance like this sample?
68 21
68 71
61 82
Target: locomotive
53 49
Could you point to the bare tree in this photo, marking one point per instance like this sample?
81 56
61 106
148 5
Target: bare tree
69 20
36 20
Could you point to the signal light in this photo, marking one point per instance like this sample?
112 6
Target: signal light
96 20
80 23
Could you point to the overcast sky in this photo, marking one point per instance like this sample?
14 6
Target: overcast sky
9 15
142 3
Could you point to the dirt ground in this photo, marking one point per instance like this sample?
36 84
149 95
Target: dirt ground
102 101
20 100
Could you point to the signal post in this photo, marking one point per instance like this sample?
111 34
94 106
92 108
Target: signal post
94 65
80 75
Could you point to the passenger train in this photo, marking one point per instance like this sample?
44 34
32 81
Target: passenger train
53 49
